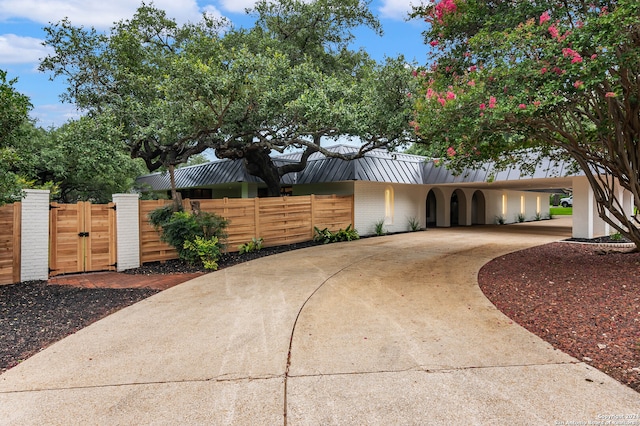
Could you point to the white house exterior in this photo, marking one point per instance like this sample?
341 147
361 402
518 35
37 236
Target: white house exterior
395 188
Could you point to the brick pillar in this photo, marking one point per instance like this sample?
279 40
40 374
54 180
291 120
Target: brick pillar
35 236
128 231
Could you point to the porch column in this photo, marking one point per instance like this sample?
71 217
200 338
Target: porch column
35 236
127 231
586 222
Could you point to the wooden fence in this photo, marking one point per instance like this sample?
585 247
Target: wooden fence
10 228
279 221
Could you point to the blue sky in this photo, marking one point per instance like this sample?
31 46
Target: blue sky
21 35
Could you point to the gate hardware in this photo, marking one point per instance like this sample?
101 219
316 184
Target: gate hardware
51 207
83 234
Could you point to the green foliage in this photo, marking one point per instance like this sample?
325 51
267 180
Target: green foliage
254 245
414 224
325 236
520 217
207 250
616 236
511 81
180 227
14 108
84 159
173 90
538 216
379 228
500 220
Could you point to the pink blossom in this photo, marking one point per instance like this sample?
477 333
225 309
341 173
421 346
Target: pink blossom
553 31
536 103
414 73
434 43
544 18
451 152
594 56
610 95
543 70
492 102
430 93
522 106
436 162
442 101
483 107
471 83
482 114
408 95
451 95
472 68
579 24
443 8
578 84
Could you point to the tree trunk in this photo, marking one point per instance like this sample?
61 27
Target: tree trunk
258 163
175 195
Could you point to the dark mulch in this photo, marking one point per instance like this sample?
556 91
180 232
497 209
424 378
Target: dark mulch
581 298
34 315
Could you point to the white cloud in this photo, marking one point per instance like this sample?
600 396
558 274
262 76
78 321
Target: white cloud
398 9
21 50
100 14
237 6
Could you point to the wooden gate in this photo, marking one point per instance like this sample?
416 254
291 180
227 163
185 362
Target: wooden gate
82 238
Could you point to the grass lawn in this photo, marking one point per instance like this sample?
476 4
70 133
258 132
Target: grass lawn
560 211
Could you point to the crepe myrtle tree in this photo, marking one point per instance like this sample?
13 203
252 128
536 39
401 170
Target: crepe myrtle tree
508 79
175 90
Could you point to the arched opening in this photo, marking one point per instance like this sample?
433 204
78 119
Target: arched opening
478 209
455 209
431 210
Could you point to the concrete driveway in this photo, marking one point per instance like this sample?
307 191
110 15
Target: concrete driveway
386 330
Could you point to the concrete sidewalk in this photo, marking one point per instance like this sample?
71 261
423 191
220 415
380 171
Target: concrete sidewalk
387 330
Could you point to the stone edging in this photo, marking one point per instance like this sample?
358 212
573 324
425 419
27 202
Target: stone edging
602 245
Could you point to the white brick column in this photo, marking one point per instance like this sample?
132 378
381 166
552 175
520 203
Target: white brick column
34 264
127 231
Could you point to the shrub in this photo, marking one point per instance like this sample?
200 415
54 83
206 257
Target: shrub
180 227
500 220
325 236
207 250
538 216
379 228
414 224
520 217
254 245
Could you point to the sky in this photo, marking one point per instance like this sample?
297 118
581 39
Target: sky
22 34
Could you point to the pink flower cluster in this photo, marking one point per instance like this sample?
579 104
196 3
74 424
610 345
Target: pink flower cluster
575 56
451 152
444 7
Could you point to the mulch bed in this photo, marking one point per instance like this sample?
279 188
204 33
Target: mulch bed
581 298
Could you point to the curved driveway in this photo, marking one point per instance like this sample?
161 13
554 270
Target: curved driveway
386 330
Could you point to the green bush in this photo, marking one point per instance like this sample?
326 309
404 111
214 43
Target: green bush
207 250
254 245
325 236
379 228
180 227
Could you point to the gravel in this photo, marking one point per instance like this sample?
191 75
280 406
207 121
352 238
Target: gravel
581 298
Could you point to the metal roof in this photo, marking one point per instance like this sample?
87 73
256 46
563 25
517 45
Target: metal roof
375 166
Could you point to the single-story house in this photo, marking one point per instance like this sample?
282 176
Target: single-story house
397 188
